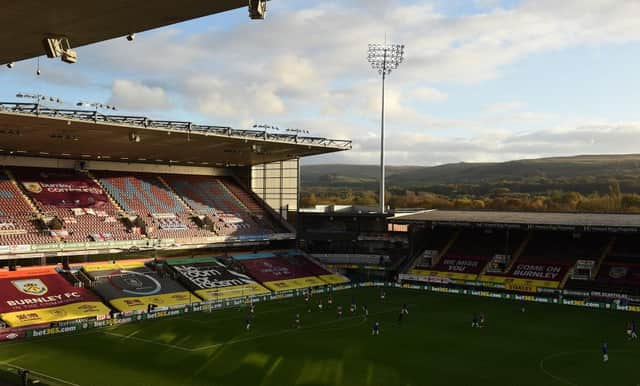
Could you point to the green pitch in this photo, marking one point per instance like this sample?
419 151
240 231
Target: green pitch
435 345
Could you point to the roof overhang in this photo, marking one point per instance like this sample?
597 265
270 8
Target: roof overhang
25 23
570 221
27 130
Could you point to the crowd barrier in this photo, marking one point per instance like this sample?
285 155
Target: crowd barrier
130 317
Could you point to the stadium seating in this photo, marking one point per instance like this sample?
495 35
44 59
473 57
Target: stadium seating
77 201
620 271
16 216
434 240
44 297
130 286
286 270
214 196
161 210
211 279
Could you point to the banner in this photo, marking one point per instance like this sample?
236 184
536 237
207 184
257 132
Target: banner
140 303
539 271
134 287
212 280
519 283
291 284
333 278
282 268
462 264
35 298
24 293
64 189
126 264
55 314
444 275
620 273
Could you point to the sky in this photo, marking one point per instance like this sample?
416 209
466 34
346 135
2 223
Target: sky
482 80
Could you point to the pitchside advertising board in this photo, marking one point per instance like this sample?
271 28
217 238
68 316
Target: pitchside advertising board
212 280
135 287
45 298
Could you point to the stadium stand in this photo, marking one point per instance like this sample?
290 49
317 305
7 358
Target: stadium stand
131 286
79 206
216 198
547 259
17 225
212 280
619 272
40 296
286 270
163 213
467 254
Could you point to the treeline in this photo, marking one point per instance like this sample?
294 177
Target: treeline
612 200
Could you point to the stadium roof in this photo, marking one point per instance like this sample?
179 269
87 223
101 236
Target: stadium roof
25 23
522 219
29 130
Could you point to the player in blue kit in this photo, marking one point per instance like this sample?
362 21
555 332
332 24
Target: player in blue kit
605 352
475 323
376 328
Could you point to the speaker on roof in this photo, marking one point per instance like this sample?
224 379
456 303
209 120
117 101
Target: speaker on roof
80 166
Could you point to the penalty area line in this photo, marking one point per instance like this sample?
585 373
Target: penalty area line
149 341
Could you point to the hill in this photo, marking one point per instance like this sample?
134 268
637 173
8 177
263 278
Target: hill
584 173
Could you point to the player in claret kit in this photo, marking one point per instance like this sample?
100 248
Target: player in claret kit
247 322
339 311
631 330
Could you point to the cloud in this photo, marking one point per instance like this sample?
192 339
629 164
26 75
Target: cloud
428 94
134 95
426 149
305 66
505 107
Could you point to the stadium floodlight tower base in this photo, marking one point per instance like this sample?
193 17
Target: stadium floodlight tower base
384 58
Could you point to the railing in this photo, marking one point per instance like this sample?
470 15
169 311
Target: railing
12 250
174 126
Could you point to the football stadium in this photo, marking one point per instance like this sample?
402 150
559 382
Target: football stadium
139 252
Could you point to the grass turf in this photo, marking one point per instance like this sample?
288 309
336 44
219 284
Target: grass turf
435 345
